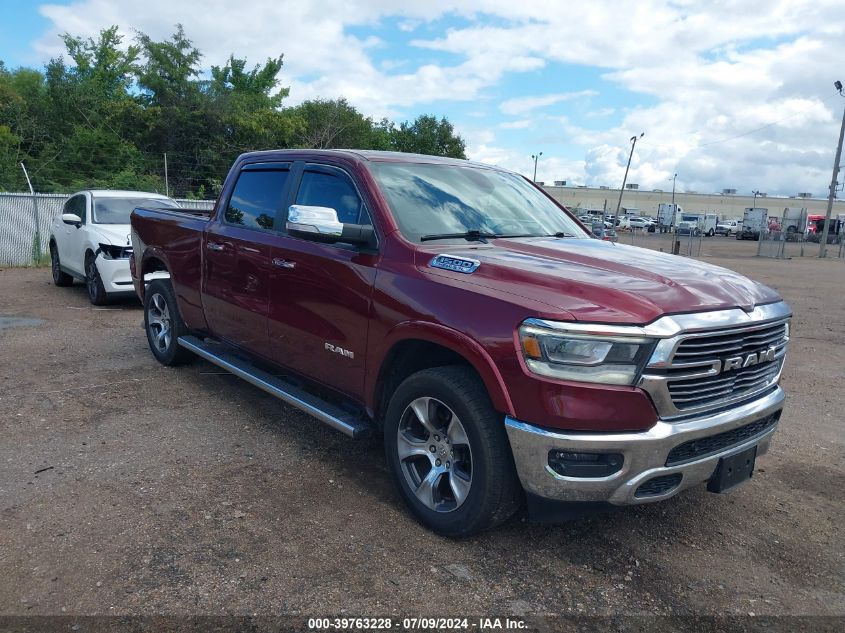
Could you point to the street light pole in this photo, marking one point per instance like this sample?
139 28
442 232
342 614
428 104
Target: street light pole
536 158
833 181
673 189
754 204
625 179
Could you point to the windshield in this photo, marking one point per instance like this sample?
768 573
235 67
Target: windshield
438 200
116 210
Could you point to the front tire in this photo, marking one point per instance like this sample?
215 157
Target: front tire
59 278
448 452
93 282
163 324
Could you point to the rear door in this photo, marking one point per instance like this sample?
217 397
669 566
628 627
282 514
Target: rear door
321 293
238 249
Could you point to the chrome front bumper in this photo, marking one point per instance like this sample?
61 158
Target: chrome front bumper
645 454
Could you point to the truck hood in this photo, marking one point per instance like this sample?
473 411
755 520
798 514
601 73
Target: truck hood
598 281
114 234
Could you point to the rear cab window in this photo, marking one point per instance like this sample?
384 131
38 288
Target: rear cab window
258 197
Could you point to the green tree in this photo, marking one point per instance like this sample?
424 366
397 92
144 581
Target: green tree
427 135
105 114
334 124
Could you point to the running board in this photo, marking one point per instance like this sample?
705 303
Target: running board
328 413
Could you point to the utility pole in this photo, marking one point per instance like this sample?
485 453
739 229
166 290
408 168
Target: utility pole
36 247
833 180
536 158
673 190
166 184
625 179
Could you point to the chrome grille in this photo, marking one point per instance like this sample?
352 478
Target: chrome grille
708 350
695 392
716 346
691 377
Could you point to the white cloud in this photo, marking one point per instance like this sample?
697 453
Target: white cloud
521 124
705 72
521 105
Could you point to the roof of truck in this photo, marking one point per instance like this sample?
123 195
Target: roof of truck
380 156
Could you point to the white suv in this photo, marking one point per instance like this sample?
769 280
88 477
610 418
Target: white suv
89 241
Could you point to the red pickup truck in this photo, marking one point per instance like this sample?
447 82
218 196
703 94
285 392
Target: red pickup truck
506 356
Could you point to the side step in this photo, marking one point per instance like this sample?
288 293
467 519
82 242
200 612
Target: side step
334 416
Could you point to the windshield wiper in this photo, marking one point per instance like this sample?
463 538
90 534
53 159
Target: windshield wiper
472 236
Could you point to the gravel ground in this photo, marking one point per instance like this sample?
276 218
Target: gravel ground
130 488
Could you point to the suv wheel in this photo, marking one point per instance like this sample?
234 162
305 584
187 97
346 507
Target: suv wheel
163 324
59 278
448 452
93 283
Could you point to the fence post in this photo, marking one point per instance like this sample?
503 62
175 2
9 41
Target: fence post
36 246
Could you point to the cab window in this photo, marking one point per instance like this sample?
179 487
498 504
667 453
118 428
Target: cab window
258 197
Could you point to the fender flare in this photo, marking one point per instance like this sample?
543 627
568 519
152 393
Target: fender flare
458 342
150 252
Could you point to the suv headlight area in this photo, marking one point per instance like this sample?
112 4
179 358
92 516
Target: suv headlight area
111 251
610 355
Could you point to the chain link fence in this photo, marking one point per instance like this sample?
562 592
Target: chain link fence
786 245
25 224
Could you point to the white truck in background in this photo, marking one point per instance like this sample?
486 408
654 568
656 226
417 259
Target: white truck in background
666 214
754 221
706 222
794 220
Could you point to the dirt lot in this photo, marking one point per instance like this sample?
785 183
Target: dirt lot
129 488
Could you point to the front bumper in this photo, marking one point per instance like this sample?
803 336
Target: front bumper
645 454
116 276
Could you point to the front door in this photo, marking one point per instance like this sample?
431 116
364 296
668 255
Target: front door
238 250
321 293
72 247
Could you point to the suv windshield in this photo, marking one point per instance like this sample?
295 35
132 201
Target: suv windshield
116 210
435 201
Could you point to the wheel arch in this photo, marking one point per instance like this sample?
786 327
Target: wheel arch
152 260
409 348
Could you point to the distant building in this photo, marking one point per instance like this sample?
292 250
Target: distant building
726 205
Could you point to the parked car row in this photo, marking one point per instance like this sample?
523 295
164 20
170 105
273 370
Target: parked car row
506 357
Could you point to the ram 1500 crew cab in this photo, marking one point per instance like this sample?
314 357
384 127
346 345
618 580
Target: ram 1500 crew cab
505 355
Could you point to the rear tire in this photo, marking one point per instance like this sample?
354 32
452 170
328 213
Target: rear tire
468 483
164 325
60 278
93 283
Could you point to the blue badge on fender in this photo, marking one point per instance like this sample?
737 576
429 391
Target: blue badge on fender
456 264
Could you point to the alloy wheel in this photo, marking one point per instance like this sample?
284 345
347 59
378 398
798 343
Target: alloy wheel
435 454
158 322
91 279
54 264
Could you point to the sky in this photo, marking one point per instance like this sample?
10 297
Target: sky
728 94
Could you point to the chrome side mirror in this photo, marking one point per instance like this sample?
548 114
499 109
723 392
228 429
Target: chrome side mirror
319 220
72 218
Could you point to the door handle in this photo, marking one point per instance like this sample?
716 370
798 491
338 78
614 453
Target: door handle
278 262
214 246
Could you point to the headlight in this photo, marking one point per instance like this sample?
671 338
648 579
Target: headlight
603 354
115 252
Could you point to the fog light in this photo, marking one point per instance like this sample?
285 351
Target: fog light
571 464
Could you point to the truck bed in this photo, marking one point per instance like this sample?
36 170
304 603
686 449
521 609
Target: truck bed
174 237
